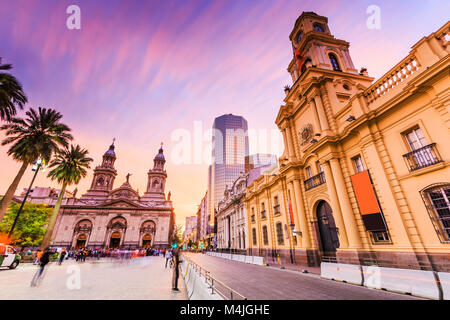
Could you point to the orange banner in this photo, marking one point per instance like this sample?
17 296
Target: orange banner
291 213
367 200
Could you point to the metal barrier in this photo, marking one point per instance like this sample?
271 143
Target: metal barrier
214 283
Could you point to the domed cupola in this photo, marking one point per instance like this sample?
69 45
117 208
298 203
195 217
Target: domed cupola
156 179
159 160
104 175
109 157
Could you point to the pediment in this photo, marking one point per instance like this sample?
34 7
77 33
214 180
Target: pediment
120 204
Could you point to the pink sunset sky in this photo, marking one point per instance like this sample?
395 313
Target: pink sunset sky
138 71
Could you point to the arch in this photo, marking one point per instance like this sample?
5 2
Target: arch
299 36
436 198
318 27
328 233
83 227
334 61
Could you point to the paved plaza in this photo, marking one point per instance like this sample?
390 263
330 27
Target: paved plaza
140 279
266 283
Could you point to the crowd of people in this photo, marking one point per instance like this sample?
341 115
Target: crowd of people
42 258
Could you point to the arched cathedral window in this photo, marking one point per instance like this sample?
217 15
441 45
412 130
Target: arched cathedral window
318 27
334 62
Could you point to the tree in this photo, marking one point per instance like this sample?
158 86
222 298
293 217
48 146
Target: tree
37 136
69 166
178 235
30 227
11 93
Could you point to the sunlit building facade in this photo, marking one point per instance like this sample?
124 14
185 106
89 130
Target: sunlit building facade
365 175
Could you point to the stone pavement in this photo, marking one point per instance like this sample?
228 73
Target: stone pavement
140 279
267 283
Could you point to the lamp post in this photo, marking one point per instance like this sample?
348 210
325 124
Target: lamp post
35 168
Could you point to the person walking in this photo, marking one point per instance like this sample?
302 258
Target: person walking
168 257
176 269
62 256
38 256
43 261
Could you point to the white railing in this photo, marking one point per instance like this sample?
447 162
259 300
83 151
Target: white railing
393 78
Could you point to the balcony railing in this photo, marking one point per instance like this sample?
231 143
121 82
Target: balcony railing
276 209
423 157
315 181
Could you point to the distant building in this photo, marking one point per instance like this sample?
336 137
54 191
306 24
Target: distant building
232 213
191 226
108 217
46 195
230 147
259 160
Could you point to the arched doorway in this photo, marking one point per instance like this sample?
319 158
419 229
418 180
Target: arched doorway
81 241
327 229
115 240
147 233
147 241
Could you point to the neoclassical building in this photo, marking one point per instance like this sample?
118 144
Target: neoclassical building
105 217
365 175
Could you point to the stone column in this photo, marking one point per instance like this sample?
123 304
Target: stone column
316 115
346 207
290 144
301 215
335 206
321 113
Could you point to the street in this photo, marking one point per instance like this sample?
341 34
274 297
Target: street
140 279
265 283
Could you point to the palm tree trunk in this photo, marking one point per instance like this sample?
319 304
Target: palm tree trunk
51 224
4 203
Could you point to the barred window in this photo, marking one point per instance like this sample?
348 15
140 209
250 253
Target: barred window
437 200
280 233
265 235
254 236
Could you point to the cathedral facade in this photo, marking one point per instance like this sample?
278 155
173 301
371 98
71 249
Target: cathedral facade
108 217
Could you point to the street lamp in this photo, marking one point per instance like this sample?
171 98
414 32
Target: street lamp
38 164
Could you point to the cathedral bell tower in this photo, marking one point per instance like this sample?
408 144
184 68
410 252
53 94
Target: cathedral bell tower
314 45
104 175
156 179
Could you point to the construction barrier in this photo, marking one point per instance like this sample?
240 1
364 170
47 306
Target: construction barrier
239 257
415 282
196 286
444 278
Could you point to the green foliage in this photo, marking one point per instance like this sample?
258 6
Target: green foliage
30 227
70 165
11 93
39 135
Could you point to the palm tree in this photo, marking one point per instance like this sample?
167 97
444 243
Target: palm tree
11 93
69 166
37 136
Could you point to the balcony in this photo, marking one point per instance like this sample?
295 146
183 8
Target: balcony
422 158
263 214
315 181
276 209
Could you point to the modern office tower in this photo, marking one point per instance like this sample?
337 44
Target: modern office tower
229 149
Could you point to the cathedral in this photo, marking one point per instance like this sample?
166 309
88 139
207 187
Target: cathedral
108 217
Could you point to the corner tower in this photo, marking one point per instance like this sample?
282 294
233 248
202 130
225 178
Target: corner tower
104 176
314 45
156 179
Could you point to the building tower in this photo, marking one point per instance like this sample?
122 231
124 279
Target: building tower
156 179
314 45
104 175
230 147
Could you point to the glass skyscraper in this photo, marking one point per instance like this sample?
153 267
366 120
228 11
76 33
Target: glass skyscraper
229 150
